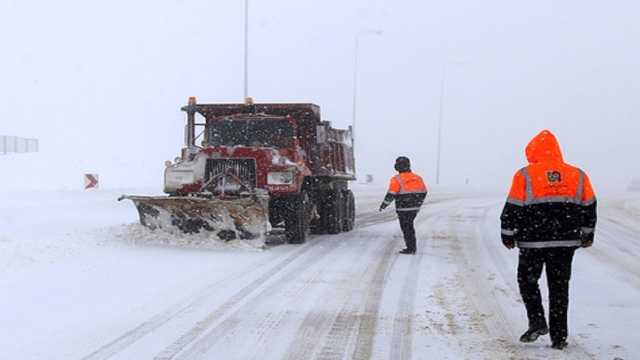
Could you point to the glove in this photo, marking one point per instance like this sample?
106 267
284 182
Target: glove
382 206
508 238
586 239
508 243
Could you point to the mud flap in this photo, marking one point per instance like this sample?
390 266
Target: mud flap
244 218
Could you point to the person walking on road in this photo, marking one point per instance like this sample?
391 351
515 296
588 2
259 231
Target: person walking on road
549 213
409 191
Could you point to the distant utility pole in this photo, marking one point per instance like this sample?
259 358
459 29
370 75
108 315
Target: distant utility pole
246 49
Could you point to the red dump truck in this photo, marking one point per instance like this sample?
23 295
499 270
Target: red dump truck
247 168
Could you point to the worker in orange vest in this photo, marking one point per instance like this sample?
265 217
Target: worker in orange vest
409 191
549 213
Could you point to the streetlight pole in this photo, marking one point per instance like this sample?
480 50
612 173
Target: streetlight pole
355 78
246 49
355 89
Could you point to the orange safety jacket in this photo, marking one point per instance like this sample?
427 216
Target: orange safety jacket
551 203
408 190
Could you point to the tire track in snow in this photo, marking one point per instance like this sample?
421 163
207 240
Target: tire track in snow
130 337
339 341
346 278
401 339
317 324
293 292
625 241
402 333
621 218
369 320
372 218
471 276
121 343
203 328
608 251
454 325
402 323
343 329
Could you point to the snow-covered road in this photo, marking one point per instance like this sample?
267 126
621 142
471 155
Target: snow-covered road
81 283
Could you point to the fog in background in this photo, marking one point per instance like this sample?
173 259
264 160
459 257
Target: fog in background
100 83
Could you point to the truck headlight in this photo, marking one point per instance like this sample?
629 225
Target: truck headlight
280 178
177 178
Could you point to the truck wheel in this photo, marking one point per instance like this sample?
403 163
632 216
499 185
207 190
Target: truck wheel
334 212
297 220
349 220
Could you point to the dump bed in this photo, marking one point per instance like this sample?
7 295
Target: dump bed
329 151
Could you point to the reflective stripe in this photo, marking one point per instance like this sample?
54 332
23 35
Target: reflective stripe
548 244
399 180
530 199
580 189
515 201
387 202
528 186
508 232
587 230
554 199
408 209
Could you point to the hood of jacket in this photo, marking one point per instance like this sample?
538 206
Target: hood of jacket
544 147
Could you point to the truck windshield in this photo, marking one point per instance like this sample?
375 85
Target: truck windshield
262 132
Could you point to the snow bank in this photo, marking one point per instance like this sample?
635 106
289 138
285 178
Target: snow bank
139 235
633 206
45 227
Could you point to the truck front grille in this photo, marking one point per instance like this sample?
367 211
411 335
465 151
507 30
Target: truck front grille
244 169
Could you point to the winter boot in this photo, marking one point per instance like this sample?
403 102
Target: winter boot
534 333
407 251
559 345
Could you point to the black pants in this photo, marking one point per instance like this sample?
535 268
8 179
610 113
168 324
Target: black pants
558 269
406 224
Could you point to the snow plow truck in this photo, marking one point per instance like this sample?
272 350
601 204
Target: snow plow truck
255 167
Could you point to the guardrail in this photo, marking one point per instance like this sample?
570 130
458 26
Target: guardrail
15 144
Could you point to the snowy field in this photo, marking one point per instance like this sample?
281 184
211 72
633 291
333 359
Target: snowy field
80 280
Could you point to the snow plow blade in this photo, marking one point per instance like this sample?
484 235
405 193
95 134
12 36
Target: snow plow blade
242 218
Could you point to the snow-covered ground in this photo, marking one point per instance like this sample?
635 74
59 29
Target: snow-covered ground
80 280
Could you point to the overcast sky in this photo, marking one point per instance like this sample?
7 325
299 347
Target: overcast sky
100 83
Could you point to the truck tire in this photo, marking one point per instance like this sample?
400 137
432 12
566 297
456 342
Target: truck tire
334 211
349 220
297 220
